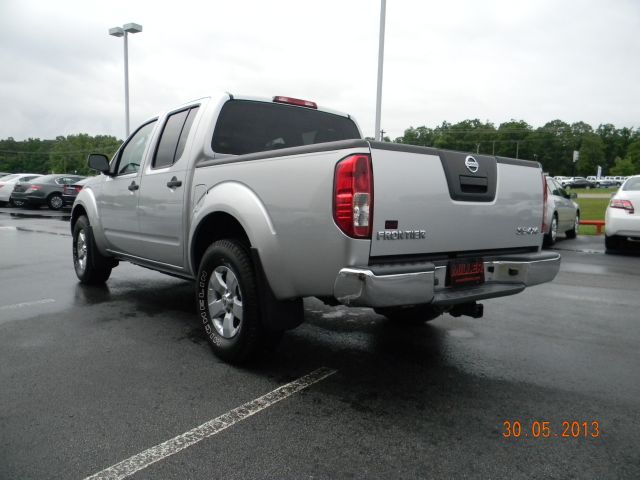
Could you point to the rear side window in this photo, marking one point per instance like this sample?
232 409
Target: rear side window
173 138
633 184
248 127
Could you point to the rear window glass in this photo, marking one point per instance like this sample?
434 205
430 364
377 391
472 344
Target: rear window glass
249 127
632 184
47 178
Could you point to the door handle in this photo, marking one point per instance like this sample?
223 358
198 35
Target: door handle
174 183
133 187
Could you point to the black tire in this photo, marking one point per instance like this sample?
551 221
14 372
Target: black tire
92 268
55 202
550 238
573 233
414 315
16 203
613 242
229 305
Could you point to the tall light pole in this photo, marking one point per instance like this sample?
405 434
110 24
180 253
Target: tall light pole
123 32
383 9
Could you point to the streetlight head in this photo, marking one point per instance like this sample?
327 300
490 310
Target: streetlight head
116 32
132 28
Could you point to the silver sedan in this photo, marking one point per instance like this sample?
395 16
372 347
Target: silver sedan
562 214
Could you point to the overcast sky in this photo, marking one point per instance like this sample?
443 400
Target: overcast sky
61 73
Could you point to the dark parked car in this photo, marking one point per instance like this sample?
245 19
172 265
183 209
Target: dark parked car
70 192
45 190
580 182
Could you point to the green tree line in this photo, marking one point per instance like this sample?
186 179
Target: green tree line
62 155
616 150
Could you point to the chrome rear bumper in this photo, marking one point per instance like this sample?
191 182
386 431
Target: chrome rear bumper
424 282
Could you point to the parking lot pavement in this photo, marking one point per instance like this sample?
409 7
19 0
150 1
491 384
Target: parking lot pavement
91 377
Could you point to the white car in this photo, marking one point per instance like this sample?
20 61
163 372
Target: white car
8 182
562 213
622 220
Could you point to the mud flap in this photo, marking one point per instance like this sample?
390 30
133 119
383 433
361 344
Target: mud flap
276 314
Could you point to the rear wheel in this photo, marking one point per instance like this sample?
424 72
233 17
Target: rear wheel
92 268
54 202
414 315
613 242
574 231
228 303
550 238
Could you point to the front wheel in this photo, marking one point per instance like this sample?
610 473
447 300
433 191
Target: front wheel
228 303
92 268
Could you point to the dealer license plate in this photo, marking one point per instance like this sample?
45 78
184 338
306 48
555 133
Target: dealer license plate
464 272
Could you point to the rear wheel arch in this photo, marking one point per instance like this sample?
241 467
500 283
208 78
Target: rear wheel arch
215 226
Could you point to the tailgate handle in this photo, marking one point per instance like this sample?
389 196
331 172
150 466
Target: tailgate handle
470 184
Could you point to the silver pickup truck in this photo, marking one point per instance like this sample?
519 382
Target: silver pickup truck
262 202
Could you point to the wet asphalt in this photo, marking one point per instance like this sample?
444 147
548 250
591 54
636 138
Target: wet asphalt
92 376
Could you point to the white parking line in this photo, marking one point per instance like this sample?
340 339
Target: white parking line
27 304
154 454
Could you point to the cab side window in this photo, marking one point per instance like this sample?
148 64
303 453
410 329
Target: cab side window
131 155
173 138
559 190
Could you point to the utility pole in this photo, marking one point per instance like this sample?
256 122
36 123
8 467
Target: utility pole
123 32
383 9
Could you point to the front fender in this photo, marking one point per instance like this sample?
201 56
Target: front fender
86 201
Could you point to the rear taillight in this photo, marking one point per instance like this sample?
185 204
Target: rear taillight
623 204
77 188
545 196
295 101
353 196
33 188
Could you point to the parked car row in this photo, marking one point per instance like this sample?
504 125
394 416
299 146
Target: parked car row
606 182
32 190
590 182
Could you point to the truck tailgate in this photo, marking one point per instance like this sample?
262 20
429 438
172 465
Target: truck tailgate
444 202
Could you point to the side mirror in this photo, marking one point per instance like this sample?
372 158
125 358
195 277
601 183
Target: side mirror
99 162
573 195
